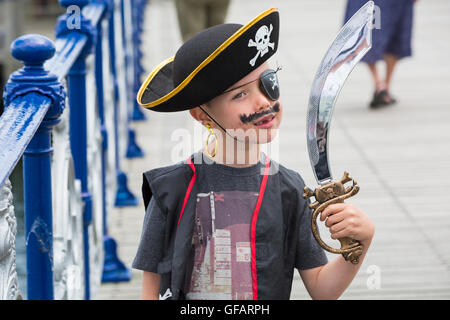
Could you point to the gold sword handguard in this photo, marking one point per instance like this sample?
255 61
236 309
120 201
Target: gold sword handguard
334 192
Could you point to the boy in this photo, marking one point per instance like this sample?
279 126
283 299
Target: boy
229 223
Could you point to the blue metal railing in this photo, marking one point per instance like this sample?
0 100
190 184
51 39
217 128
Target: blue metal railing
56 88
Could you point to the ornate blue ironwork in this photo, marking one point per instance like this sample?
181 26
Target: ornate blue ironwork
35 99
45 96
33 50
76 83
114 270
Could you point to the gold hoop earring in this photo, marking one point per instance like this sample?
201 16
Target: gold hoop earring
211 132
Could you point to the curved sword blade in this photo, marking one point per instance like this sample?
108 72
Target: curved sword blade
350 45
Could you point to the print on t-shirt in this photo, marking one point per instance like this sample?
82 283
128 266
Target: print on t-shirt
222 265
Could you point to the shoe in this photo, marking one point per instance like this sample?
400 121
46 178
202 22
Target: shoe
381 99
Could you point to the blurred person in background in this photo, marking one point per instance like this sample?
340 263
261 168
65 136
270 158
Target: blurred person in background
391 41
197 15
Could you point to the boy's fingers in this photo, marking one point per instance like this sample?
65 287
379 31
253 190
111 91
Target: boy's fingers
338 227
335 218
339 234
331 209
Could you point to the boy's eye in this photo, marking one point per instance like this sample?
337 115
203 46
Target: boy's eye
239 95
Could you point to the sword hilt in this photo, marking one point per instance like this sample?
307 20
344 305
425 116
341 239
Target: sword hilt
334 192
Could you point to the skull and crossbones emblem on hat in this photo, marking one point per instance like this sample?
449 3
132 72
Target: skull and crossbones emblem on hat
261 42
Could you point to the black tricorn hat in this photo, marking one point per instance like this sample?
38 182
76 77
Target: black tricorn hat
209 63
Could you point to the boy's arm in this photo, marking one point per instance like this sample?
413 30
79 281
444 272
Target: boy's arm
331 280
328 282
150 249
150 286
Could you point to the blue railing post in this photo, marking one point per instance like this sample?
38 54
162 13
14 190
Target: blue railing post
124 197
133 149
34 50
138 7
76 84
114 270
101 105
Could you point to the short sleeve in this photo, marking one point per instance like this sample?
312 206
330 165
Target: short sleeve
151 245
309 253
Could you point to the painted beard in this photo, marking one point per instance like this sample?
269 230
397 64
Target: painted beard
251 118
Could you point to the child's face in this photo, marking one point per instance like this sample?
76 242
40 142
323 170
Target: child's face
246 110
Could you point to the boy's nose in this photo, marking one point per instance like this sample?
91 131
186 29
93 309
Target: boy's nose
261 101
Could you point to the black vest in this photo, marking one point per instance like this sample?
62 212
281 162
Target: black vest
276 234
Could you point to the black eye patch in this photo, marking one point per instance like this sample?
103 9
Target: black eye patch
269 84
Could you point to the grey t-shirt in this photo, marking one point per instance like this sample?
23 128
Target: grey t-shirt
221 179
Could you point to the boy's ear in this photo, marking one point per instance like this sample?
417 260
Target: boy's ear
199 115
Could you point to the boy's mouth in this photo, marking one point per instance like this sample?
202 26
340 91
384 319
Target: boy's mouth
265 122
261 116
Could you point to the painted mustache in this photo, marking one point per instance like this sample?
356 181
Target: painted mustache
246 119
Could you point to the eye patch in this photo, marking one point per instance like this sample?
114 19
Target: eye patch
268 84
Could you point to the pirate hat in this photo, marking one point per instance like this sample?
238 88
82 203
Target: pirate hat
209 63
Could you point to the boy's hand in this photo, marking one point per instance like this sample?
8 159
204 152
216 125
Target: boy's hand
346 220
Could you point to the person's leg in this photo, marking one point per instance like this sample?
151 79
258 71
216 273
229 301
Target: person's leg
379 84
391 61
381 96
217 12
191 17
399 45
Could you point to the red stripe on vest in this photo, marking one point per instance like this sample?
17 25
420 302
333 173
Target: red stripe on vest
189 189
262 188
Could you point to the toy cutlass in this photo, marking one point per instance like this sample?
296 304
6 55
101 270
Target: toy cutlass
351 44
